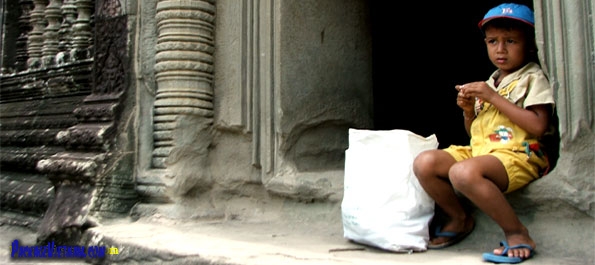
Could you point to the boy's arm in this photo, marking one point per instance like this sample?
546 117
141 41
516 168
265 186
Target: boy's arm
534 119
469 117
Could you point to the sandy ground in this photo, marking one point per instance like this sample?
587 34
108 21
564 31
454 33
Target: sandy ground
290 233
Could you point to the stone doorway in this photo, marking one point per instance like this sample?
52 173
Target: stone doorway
421 51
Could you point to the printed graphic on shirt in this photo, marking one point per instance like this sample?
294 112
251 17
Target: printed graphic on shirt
503 134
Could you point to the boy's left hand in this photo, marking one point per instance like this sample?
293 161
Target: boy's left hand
464 100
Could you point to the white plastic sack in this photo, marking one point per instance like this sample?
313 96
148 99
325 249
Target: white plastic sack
383 203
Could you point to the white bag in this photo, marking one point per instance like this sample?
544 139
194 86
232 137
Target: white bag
383 203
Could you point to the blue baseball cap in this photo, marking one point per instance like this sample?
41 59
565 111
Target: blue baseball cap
509 10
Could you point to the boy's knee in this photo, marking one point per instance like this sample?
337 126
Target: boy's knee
420 162
423 157
459 176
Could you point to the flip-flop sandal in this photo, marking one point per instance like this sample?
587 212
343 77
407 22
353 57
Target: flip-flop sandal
504 258
454 237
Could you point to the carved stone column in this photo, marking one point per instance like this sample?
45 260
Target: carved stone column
65 32
183 69
183 107
50 35
82 29
35 42
25 27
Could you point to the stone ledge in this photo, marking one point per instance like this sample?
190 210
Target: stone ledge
308 186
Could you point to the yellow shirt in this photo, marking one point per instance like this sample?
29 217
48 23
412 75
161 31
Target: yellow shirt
492 130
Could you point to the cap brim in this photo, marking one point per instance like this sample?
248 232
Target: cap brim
484 21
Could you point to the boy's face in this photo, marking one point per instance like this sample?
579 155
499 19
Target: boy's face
506 48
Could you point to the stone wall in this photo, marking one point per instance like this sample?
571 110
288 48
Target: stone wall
46 74
291 77
66 105
284 97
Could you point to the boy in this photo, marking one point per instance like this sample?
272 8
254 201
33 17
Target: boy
506 118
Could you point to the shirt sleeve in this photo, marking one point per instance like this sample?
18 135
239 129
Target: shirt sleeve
539 91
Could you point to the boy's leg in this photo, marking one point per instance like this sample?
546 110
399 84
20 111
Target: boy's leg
482 180
431 168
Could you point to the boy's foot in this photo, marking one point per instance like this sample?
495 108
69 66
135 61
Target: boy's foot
525 251
445 238
505 253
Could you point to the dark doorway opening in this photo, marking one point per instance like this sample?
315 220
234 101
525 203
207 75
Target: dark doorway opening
421 50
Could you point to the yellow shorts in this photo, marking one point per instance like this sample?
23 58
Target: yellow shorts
521 169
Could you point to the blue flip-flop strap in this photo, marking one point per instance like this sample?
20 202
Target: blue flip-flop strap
504 244
439 233
507 247
501 259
